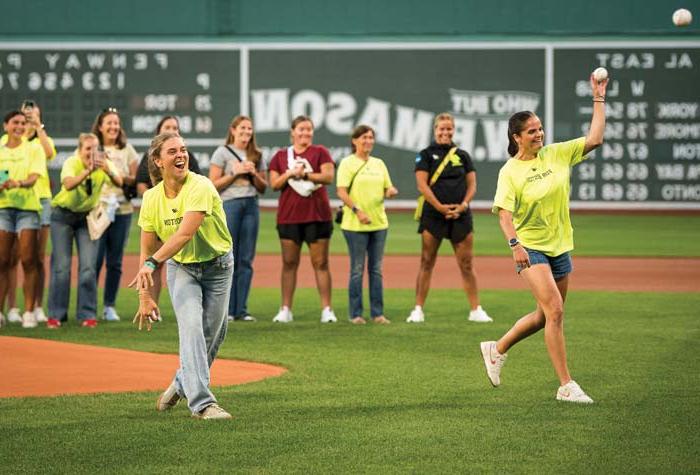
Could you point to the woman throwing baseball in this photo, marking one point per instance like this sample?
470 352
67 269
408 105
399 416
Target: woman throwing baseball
182 221
532 203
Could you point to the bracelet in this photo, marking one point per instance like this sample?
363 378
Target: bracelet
152 263
599 100
354 209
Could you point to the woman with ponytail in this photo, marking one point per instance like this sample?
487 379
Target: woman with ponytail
532 203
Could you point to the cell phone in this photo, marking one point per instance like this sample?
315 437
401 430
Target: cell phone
4 176
28 104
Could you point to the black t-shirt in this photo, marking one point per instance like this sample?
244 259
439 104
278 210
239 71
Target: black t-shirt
451 186
142 175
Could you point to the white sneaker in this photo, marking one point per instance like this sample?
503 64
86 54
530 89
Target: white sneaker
168 399
40 315
327 316
493 361
211 412
283 316
572 392
416 316
29 320
110 315
13 316
479 315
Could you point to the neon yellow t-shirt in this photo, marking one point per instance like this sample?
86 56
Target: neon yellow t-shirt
21 162
537 193
42 187
77 199
162 216
367 192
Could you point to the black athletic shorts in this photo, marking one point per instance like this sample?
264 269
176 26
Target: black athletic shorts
456 230
306 232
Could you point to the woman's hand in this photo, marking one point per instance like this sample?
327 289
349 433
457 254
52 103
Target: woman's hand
143 280
362 216
10 183
598 88
391 192
445 210
240 168
148 311
520 256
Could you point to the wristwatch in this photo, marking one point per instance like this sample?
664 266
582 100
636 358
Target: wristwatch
151 262
354 209
513 242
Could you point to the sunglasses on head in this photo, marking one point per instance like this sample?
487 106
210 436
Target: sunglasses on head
110 109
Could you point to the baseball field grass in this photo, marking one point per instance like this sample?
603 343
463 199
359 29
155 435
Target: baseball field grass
393 399
594 235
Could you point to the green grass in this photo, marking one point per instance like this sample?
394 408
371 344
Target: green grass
395 399
594 235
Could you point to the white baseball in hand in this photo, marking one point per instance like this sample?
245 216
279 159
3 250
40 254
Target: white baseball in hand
682 17
600 74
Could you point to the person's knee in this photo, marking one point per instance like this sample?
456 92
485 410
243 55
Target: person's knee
320 264
290 263
554 313
29 262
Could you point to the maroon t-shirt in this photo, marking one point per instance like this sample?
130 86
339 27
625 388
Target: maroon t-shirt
294 208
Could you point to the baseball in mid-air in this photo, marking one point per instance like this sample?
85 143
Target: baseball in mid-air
600 74
682 17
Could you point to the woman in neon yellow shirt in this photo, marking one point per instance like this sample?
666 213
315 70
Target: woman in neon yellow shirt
82 178
21 164
364 222
182 221
532 203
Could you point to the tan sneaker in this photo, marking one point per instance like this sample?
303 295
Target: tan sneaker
168 399
213 411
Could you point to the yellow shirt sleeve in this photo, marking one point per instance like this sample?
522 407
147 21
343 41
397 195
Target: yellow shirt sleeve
344 174
505 193
200 199
146 221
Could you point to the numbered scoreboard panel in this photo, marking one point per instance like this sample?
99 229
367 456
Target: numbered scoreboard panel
652 138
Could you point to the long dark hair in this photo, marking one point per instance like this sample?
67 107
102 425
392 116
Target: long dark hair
121 138
516 124
252 152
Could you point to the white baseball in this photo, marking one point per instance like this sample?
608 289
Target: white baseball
600 74
682 17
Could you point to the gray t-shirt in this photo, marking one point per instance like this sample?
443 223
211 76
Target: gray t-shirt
241 186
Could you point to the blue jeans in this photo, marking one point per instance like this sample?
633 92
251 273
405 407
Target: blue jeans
243 221
199 294
66 226
370 244
112 245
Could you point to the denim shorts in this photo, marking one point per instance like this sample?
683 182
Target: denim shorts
45 218
560 265
13 220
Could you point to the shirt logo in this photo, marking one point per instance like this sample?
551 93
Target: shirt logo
172 222
435 157
539 176
173 210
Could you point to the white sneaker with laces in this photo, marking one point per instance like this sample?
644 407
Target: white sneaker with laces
212 412
416 316
572 392
284 316
168 399
110 315
40 315
327 316
493 361
479 315
29 320
13 316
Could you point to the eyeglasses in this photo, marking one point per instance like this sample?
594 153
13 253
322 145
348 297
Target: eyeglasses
110 109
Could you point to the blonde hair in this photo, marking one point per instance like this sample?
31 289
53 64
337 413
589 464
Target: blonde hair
154 152
84 137
443 116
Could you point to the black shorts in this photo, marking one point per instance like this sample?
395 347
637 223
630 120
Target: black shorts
456 230
306 232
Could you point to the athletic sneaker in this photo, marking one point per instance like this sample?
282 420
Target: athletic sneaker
416 316
40 315
479 315
493 361
283 316
213 411
13 316
89 323
246 317
327 316
28 320
572 392
53 323
168 399
110 315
